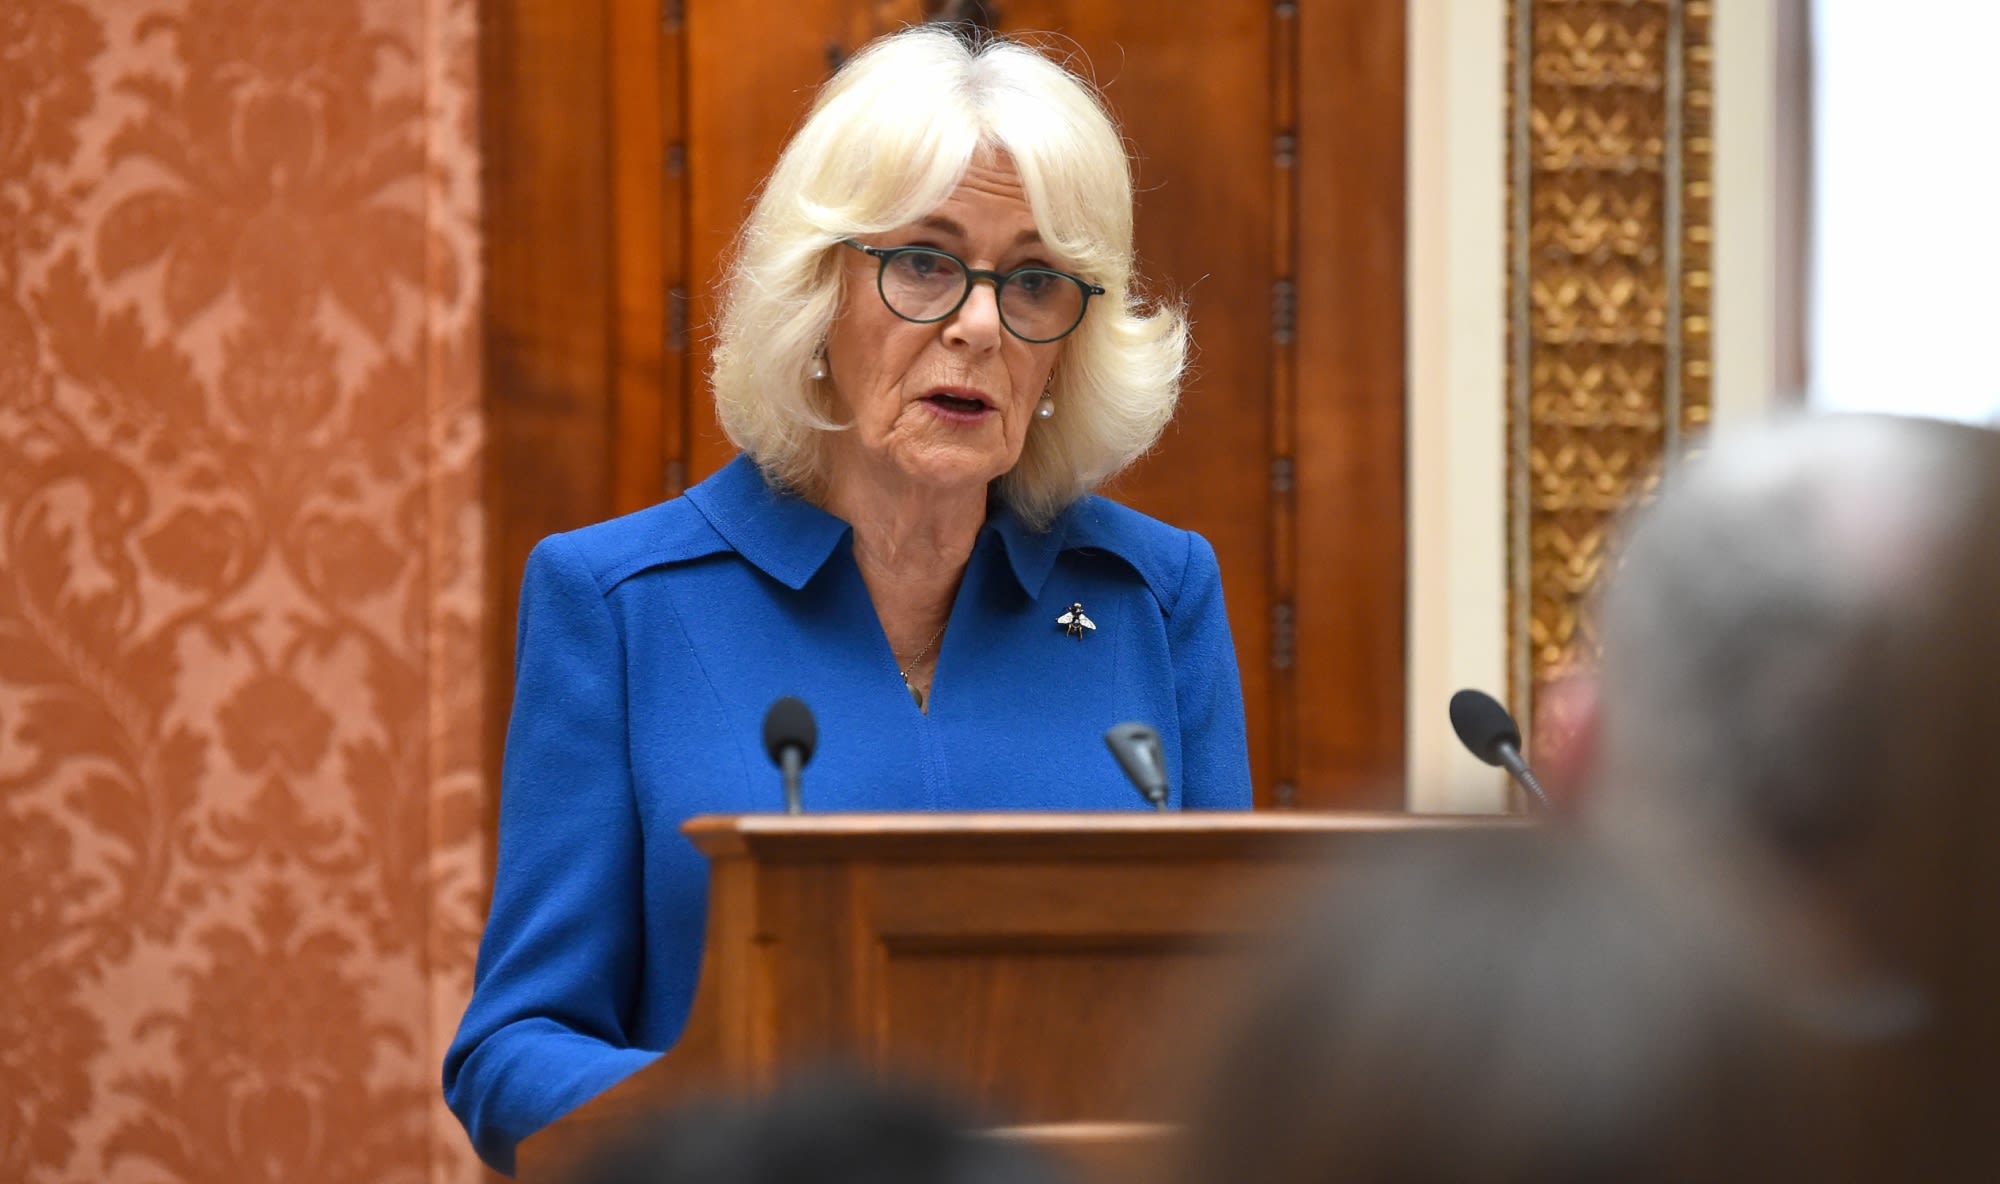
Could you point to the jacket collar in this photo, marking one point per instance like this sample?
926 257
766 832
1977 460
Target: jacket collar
1031 554
782 535
790 539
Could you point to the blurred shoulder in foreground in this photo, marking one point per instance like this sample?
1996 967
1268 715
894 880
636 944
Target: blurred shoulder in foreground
1523 1008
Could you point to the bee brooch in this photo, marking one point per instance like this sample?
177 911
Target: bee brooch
1074 622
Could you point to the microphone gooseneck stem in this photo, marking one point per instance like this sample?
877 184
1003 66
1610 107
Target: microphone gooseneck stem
1519 771
790 762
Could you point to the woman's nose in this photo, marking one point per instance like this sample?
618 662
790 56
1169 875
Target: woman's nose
977 321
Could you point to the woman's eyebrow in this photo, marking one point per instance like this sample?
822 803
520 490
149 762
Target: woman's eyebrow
944 225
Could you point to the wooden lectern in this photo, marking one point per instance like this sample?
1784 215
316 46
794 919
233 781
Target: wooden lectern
1020 961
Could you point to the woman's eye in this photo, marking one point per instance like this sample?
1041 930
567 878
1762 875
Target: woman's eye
924 265
1033 283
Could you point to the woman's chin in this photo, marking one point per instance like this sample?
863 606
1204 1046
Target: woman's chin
945 468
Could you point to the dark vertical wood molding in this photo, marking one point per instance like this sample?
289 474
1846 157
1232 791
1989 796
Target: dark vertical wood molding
1351 422
1281 787
681 387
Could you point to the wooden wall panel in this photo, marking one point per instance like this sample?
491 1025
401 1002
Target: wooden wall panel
545 146
1352 438
1190 86
639 74
1270 200
752 70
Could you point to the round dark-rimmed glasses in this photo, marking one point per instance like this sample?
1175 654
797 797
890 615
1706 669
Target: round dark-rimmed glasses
926 285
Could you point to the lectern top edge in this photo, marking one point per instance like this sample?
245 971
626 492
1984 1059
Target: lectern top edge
719 836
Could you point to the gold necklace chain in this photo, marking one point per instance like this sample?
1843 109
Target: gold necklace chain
904 673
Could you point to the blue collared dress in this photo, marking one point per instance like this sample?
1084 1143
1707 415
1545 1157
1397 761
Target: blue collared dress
649 649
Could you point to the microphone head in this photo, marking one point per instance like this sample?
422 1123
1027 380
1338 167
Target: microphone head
1138 750
789 724
1483 726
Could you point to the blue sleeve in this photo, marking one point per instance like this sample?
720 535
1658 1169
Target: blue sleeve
560 958
1215 753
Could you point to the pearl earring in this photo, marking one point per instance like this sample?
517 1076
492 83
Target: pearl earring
1046 409
817 371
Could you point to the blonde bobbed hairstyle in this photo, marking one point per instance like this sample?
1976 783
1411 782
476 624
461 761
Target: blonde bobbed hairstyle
887 141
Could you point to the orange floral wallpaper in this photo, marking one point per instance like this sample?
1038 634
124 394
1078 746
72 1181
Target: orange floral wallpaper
241 867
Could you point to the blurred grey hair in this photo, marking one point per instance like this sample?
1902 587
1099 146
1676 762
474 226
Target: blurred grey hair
887 140
1753 630
1803 646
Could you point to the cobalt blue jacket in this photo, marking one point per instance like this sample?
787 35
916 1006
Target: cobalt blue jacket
650 648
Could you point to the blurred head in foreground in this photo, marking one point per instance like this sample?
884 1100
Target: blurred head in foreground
825 1128
1767 632
1512 1007
1802 660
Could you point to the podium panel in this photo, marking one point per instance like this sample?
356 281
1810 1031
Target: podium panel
1019 961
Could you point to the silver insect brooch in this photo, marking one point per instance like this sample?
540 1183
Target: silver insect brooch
1074 622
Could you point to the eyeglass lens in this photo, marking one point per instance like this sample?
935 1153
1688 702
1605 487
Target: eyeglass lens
1035 304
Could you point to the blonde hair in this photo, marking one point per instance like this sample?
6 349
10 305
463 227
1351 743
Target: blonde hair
887 141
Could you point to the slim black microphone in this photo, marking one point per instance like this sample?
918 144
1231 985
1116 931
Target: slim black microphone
1484 727
1138 750
789 736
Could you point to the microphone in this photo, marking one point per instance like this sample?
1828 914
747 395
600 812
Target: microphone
1137 748
789 737
1485 728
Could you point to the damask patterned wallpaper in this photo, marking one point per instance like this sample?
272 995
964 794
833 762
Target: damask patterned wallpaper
240 850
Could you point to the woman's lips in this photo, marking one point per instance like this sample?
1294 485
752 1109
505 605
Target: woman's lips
961 407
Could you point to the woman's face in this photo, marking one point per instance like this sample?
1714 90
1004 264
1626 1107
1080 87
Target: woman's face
944 405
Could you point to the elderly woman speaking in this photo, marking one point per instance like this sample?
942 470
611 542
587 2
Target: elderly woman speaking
929 353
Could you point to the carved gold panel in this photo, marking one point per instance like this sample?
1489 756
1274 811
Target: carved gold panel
1609 232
